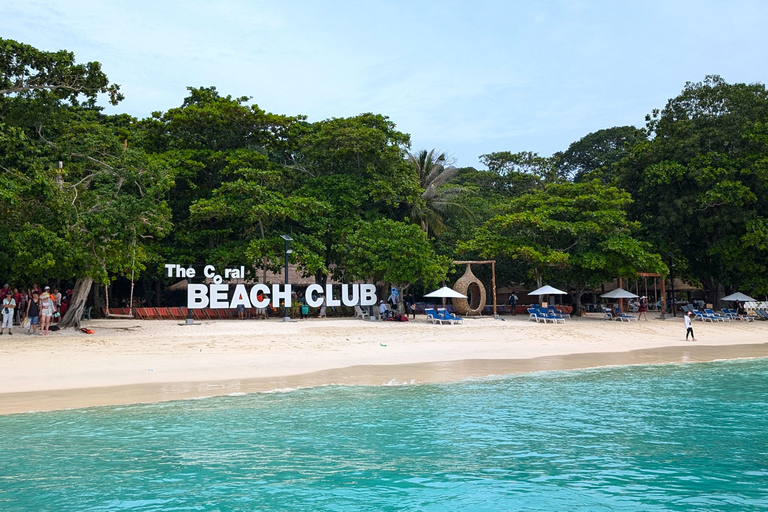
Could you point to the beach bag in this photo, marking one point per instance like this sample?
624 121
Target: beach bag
27 323
304 310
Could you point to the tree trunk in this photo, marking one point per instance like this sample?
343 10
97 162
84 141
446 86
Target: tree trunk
158 293
401 299
77 303
96 297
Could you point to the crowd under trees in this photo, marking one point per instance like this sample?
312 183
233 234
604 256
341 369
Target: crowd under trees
89 198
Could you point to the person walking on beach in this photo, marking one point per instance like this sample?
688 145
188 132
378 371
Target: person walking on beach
643 309
513 303
688 327
9 306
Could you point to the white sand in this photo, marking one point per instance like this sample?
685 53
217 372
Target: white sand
163 360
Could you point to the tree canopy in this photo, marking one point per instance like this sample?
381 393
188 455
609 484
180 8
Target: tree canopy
90 197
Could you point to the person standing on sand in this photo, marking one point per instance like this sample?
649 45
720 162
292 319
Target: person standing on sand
513 303
33 312
9 307
47 309
688 327
643 309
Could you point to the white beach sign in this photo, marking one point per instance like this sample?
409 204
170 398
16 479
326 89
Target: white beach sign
260 295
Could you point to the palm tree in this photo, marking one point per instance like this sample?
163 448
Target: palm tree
434 172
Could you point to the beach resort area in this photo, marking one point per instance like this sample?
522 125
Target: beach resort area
382 256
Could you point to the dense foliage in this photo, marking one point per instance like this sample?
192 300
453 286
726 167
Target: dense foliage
89 197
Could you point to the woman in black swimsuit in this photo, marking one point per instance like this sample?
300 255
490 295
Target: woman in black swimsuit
33 311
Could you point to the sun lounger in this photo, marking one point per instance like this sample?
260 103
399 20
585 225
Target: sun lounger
535 314
703 316
553 316
552 309
717 316
446 316
442 317
626 318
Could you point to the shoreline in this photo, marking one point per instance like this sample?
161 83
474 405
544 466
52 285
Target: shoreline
131 361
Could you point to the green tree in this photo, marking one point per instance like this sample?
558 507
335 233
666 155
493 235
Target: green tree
356 166
391 251
439 195
210 143
536 169
27 73
574 233
88 219
592 155
700 184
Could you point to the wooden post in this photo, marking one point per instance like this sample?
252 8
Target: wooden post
493 283
663 296
621 301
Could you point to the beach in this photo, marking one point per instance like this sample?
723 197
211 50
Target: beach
128 361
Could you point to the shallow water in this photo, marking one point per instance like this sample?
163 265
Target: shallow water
650 438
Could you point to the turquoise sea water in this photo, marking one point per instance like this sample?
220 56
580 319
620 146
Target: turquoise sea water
671 437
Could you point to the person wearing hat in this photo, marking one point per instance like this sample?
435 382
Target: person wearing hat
642 310
689 326
9 305
383 310
47 309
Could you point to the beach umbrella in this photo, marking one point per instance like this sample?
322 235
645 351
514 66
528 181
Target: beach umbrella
446 293
738 296
619 293
548 290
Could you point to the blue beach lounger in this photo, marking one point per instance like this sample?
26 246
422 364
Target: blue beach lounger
703 316
553 310
717 316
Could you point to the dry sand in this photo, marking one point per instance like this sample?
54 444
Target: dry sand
128 361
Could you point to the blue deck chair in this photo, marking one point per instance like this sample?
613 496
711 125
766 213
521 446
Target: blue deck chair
552 309
718 317
703 316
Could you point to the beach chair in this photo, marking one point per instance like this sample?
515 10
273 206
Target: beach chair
446 316
761 314
717 316
360 312
198 314
730 313
552 316
703 316
626 318
533 314
541 315
432 316
163 314
607 314
552 309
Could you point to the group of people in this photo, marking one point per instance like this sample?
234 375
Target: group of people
389 309
33 309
